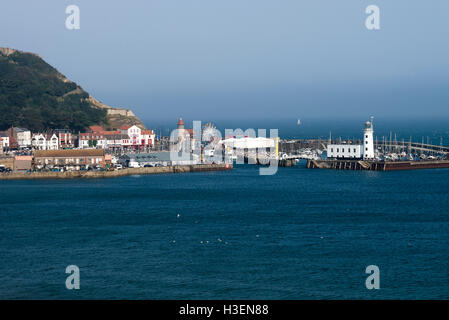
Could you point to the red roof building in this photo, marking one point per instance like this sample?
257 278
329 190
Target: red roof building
96 129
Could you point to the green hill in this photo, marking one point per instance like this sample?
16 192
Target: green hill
36 96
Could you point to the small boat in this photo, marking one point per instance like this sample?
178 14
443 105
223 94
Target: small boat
299 122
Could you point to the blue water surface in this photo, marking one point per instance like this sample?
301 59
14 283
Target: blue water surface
300 234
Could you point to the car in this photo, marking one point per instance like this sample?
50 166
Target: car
118 166
148 166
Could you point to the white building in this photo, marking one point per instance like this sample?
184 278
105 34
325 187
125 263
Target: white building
95 140
134 133
260 147
39 141
137 136
115 139
249 143
23 137
53 143
5 140
344 151
43 142
148 137
355 151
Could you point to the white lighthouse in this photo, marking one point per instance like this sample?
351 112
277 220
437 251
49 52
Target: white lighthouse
368 140
354 151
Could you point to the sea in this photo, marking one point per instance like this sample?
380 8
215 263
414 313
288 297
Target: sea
298 234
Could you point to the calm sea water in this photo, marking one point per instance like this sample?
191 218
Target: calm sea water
301 234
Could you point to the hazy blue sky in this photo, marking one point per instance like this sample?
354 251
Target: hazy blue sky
260 59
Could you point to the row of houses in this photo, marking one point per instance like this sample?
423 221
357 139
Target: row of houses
83 159
22 138
126 137
74 159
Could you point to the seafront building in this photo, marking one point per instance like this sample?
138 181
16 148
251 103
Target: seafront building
16 137
72 158
23 137
65 138
4 140
42 141
126 137
23 163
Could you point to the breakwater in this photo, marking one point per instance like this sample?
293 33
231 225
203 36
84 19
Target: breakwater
115 173
376 165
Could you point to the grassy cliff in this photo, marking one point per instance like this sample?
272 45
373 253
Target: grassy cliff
36 96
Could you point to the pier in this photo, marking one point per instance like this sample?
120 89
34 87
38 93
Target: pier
376 165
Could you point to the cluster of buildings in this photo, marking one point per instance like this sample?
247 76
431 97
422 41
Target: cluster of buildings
63 150
125 138
129 146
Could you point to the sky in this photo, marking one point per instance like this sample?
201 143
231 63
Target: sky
245 59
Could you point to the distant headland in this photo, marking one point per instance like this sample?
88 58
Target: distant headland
37 96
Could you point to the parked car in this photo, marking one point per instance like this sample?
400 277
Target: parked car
133 164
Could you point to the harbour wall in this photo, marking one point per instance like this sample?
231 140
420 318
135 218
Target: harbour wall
115 173
376 165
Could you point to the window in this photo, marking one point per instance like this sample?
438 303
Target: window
338 150
366 149
366 136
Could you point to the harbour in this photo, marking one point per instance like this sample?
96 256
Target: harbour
367 154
